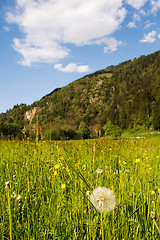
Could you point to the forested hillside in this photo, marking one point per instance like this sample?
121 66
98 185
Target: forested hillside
126 95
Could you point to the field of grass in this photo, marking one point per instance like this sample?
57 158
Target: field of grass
43 189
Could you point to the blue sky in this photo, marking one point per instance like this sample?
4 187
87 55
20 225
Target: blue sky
45 44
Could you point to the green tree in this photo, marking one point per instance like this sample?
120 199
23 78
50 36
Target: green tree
112 130
108 128
83 130
116 131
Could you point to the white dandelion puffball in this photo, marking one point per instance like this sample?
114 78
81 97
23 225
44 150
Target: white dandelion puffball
103 199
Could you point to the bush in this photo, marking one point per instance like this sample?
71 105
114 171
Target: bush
112 130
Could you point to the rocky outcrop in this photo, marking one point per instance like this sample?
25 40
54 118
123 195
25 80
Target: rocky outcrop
30 114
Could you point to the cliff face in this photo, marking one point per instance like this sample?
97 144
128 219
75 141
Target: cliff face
29 115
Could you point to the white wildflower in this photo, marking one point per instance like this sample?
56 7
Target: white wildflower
18 197
99 170
7 185
15 196
88 193
116 172
103 199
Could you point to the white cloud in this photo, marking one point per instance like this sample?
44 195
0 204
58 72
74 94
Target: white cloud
155 6
111 44
148 24
6 28
149 38
132 25
47 52
49 25
136 17
72 67
137 3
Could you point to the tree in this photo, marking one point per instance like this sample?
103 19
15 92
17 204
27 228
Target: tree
108 128
116 131
112 130
83 130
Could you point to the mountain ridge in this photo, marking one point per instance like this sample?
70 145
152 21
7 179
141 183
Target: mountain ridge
127 95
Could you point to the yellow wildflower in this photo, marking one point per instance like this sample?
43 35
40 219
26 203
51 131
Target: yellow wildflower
55 173
159 190
57 166
150 168
137 160
67 169
125 207
63 185
152 192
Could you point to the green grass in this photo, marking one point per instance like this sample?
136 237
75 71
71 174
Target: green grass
108 75
52 179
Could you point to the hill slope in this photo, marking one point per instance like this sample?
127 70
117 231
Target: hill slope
128 95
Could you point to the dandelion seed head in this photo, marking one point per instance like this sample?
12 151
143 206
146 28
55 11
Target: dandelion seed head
103 199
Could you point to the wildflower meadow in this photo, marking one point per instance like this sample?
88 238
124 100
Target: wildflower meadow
85 189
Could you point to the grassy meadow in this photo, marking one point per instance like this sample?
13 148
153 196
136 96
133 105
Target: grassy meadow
43 189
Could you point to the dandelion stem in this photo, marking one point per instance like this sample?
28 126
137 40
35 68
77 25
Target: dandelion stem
10 216
102 226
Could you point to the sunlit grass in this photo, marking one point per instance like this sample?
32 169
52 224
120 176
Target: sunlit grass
53 178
